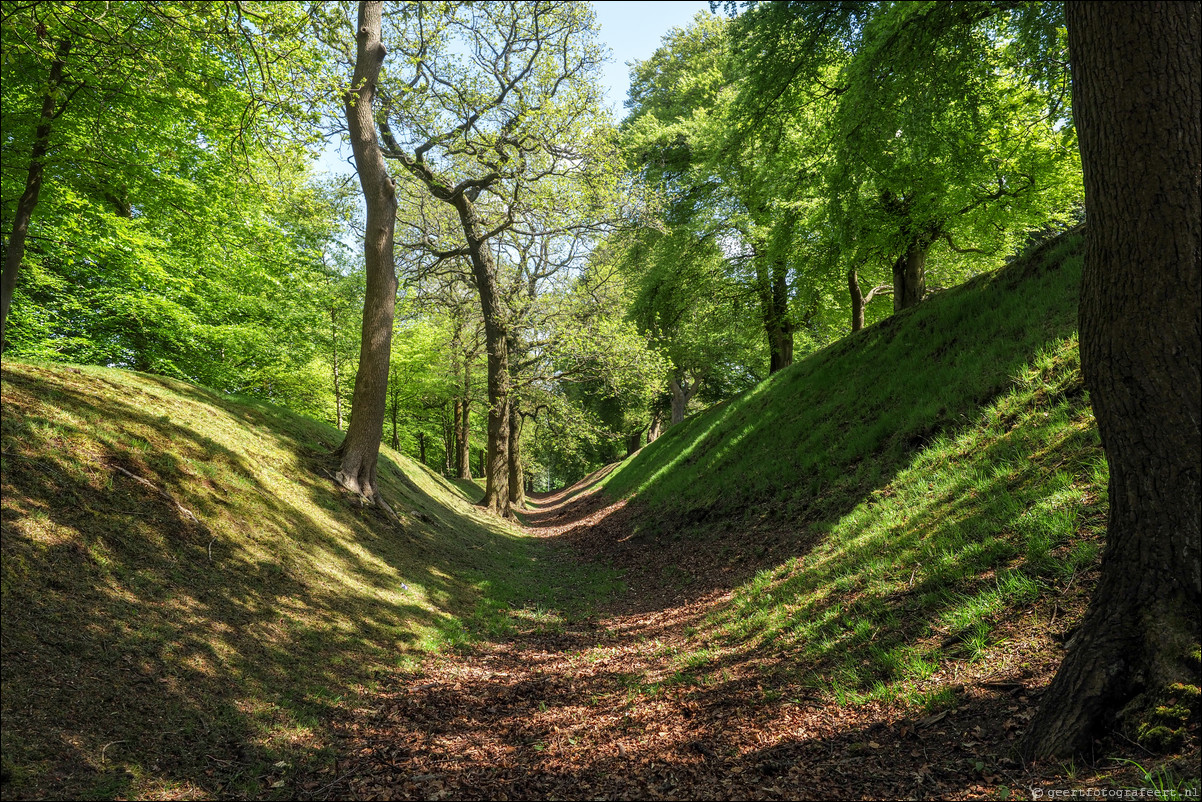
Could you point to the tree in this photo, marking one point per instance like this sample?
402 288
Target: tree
1137 87
360 449
496 98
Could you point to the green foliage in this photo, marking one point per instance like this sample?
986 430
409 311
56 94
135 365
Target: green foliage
168 237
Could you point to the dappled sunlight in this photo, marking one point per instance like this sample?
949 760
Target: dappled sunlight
212 592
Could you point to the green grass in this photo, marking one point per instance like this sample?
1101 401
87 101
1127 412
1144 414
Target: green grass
192 634
926 485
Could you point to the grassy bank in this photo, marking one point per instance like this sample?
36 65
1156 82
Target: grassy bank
187 596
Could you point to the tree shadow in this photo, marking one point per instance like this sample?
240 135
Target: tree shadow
184 614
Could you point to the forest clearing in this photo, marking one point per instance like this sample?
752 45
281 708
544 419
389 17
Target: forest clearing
386 415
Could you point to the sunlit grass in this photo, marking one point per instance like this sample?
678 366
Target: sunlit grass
145 650
940 476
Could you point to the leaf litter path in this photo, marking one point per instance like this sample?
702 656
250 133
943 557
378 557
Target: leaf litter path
585 713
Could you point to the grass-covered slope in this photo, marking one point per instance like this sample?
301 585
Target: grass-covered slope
186 596
913 496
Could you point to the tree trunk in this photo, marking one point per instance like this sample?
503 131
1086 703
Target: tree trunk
909 275
496 490
421 447
776 319
360 449
334 356
634 442
857 300
1136 102
14 250
517 485
682 394
657 426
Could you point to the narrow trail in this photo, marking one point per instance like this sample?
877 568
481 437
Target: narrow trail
592 712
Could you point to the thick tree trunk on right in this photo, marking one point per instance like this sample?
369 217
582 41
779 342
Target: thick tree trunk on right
1137 90
14 249
361 447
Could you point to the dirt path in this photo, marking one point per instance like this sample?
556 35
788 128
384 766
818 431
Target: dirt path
592 713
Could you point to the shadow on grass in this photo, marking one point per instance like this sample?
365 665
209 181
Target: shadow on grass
183 614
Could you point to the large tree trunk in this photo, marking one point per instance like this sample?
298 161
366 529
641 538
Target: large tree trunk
909 275
1136 101
517 485
361 447
14 249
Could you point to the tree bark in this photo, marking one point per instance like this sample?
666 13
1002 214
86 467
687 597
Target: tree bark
517 485
360 449
1137 84
634 441
774 298
657 426
496 337
909 275
682 394
857 300
14 249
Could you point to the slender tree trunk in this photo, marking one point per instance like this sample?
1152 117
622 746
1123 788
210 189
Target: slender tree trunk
334 358
517 484
857 300
909 275
394 410
421 447
360 449
1137 102
634 441
496 337
463 443
448 444
14 250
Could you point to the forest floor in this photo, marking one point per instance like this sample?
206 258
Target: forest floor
599 709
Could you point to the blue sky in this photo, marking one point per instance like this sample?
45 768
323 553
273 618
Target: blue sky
631 28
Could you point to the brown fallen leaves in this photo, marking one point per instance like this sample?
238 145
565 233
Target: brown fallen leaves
594 713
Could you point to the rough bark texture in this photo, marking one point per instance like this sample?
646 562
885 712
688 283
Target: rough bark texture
496 336
1136 89
361 447
909 275
14 250
517 483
